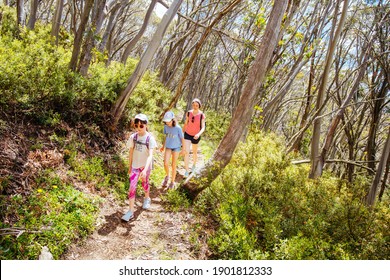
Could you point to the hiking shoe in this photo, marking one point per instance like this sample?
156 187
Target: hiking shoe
171 186
165 182
186 174
128 216
146 204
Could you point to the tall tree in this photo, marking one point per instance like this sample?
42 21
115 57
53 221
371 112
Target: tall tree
138 36
336 120
33 14
90 40
245 108
78 40
143 64
113 10
229 7
315 146
20 20
56 22
370 200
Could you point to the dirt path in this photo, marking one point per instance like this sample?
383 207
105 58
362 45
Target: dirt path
154 234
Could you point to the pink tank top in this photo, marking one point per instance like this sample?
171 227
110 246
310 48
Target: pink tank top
194 123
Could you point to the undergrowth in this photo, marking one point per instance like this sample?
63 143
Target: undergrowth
263 207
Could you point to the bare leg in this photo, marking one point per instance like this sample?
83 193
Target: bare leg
194 154
167 157
187 154
175 155
131 204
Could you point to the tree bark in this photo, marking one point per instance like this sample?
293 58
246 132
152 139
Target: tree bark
142 65
138 36
296 146
332 129
378 99
114 11
33 14
245 107
20 12
195 52
79 35
384 180
370 200
56 24
315 154
90 42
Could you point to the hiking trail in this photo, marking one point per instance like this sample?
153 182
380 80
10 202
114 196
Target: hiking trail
153 234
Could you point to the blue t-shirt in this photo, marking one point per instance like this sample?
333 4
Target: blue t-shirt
173 134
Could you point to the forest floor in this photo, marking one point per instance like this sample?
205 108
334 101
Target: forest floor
153 234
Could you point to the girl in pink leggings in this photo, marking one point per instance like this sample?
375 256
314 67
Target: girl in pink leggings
142 144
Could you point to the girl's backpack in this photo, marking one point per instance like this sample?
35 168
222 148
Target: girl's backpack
135 139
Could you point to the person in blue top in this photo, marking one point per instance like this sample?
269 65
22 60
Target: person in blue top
174 140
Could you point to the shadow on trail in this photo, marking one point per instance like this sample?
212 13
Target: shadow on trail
115 219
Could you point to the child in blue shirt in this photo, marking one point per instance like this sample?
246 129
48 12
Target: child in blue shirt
174 140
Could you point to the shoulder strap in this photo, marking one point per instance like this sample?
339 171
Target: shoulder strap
200 123
135 139
147 141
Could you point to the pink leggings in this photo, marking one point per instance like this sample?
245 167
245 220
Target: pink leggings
134 176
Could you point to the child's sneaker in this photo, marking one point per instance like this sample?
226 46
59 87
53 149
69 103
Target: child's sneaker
186 174
146 204
128 216
165 182
171 186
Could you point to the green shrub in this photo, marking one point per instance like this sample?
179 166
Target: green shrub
36 82
263 207
53 215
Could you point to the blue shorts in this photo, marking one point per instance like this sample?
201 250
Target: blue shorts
174 149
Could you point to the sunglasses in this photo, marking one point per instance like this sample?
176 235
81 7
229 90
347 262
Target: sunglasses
193 119
139 123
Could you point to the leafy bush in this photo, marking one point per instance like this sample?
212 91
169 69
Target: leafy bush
36 82
216 125
54 215
264 207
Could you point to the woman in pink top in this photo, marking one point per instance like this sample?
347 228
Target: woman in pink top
194 126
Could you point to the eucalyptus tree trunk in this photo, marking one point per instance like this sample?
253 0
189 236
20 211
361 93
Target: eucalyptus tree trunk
245 107
113 11
175 55
336 120
138 36
33 14
316 169
370 200
90 42
380 79
230 6
378 99
20 13
79 35
143 64
297 144
384 180
56 23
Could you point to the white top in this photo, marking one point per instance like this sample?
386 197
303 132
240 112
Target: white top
141 152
